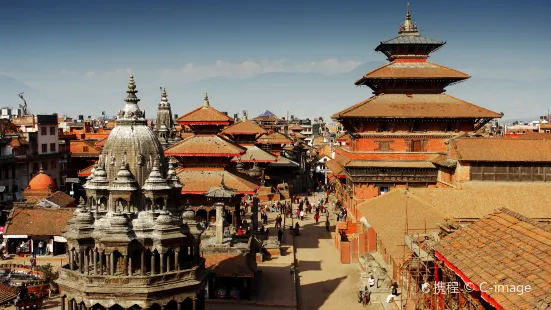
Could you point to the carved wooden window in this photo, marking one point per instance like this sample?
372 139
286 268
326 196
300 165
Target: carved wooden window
85 149
384 146
416 145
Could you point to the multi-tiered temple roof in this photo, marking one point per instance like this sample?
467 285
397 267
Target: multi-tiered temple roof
410 87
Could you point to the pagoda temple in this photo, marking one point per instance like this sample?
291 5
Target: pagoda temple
205 161
399 136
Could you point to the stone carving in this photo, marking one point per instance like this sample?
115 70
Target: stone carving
140 160
112 163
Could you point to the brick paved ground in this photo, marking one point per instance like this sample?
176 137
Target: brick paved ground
325 283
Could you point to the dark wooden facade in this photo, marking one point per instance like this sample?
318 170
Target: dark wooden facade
510 172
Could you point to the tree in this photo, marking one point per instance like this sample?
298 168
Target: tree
49 275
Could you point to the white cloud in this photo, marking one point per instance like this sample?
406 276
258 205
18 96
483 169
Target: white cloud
246 69
65 72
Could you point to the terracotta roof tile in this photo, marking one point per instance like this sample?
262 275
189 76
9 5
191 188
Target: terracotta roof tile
499 149
390 163
412 70
209 146
392 205
86 171
200 181
482 198
100 143
244 128
255 153
335 167
480 263
415 106
38 221
273 138
229 264
63 200
203 115
295 127
7 293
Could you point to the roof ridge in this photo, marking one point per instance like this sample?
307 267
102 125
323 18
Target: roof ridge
446 67
520 217
355 106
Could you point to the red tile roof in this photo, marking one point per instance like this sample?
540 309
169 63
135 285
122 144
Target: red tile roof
100 143
335 167
273 138
412 70
208 146
504 150
200 181
257 154
415 106
204 115
482 198
7 293
296 127
503 248
387 215
63 200
244 128
229 264
86 171
38 221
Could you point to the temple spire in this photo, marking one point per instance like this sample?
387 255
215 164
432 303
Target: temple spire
206 102
131 98
164 99
408 27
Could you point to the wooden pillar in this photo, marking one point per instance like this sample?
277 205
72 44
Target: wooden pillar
177 260
152 263
167 263
101 255
142 263
70 304
63 302
194 307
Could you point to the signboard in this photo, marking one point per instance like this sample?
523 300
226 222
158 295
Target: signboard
72 180
16 236
59 239
72 193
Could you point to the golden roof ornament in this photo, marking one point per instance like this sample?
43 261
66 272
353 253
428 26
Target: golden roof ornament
408 26
206 103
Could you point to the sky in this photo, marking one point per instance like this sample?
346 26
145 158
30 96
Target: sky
298 57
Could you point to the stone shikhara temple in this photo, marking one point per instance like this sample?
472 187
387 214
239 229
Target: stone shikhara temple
128 246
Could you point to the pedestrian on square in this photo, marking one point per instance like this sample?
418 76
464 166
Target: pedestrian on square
302 215
279 235
317 217
327 224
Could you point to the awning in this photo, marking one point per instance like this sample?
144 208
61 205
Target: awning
16 236
60 239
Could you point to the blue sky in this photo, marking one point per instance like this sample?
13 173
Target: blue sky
74 56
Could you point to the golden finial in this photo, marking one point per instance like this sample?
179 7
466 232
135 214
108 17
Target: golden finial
408 26
164 92
131 83
408 14
206 102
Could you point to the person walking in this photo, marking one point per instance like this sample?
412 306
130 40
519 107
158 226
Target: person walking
327 224
317 217
302 215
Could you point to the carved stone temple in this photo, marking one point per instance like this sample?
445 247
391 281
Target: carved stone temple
127 250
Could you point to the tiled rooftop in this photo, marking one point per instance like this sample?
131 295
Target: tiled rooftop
39 221
502 150
415 106
504 248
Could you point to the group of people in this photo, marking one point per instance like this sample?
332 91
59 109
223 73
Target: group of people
365 294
